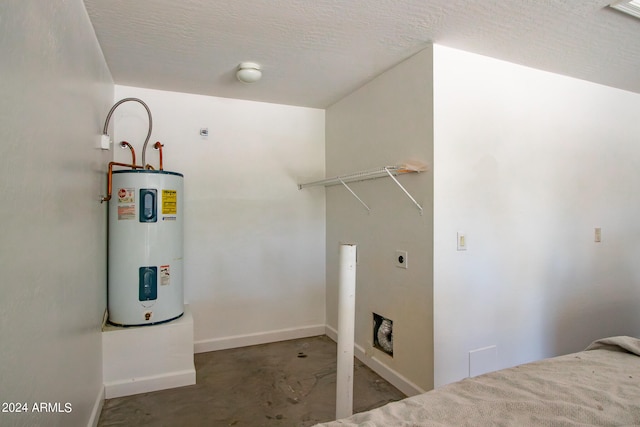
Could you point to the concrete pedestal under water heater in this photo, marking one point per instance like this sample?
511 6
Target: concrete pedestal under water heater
145 247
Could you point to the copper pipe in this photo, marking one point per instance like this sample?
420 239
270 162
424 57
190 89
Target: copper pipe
158 146
125 144
110 175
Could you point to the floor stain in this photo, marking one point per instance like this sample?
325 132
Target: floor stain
254 386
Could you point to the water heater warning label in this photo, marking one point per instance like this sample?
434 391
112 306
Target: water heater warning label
126 204
169 202
126 195
164 275
127 212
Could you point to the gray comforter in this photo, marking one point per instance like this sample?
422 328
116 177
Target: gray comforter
599 386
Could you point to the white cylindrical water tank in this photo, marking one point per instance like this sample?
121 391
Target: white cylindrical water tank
145 247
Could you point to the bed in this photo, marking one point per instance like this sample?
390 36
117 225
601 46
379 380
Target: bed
598 386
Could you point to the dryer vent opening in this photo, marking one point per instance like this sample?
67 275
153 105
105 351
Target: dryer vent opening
383 334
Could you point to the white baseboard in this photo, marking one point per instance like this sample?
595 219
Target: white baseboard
150 383
376 365
97 409
236 341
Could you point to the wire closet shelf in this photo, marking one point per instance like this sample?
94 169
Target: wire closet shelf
386 171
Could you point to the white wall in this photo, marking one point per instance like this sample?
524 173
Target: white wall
387 121
527 164
254 243
56 90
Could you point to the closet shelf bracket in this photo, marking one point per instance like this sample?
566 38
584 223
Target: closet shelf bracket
354 194
405 190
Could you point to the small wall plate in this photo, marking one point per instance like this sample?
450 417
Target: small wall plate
401 259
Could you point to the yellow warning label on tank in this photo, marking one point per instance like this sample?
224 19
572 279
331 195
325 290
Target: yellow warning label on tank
169 202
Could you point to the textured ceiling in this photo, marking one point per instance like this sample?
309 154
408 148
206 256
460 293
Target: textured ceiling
314 52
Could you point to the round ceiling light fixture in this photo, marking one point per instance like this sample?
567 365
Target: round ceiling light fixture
249 72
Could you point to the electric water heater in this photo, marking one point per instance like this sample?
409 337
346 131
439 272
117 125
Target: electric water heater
145 247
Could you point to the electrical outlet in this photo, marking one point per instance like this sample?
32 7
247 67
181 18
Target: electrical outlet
401 259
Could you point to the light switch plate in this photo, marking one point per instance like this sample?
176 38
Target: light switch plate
462 241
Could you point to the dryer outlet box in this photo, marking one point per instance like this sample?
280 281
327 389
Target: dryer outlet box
401 259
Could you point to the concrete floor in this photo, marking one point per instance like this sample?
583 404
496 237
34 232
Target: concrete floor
289 383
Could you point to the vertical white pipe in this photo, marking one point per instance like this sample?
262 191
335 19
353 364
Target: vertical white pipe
346 330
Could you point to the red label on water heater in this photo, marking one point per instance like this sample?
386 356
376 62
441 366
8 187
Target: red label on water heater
126 195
